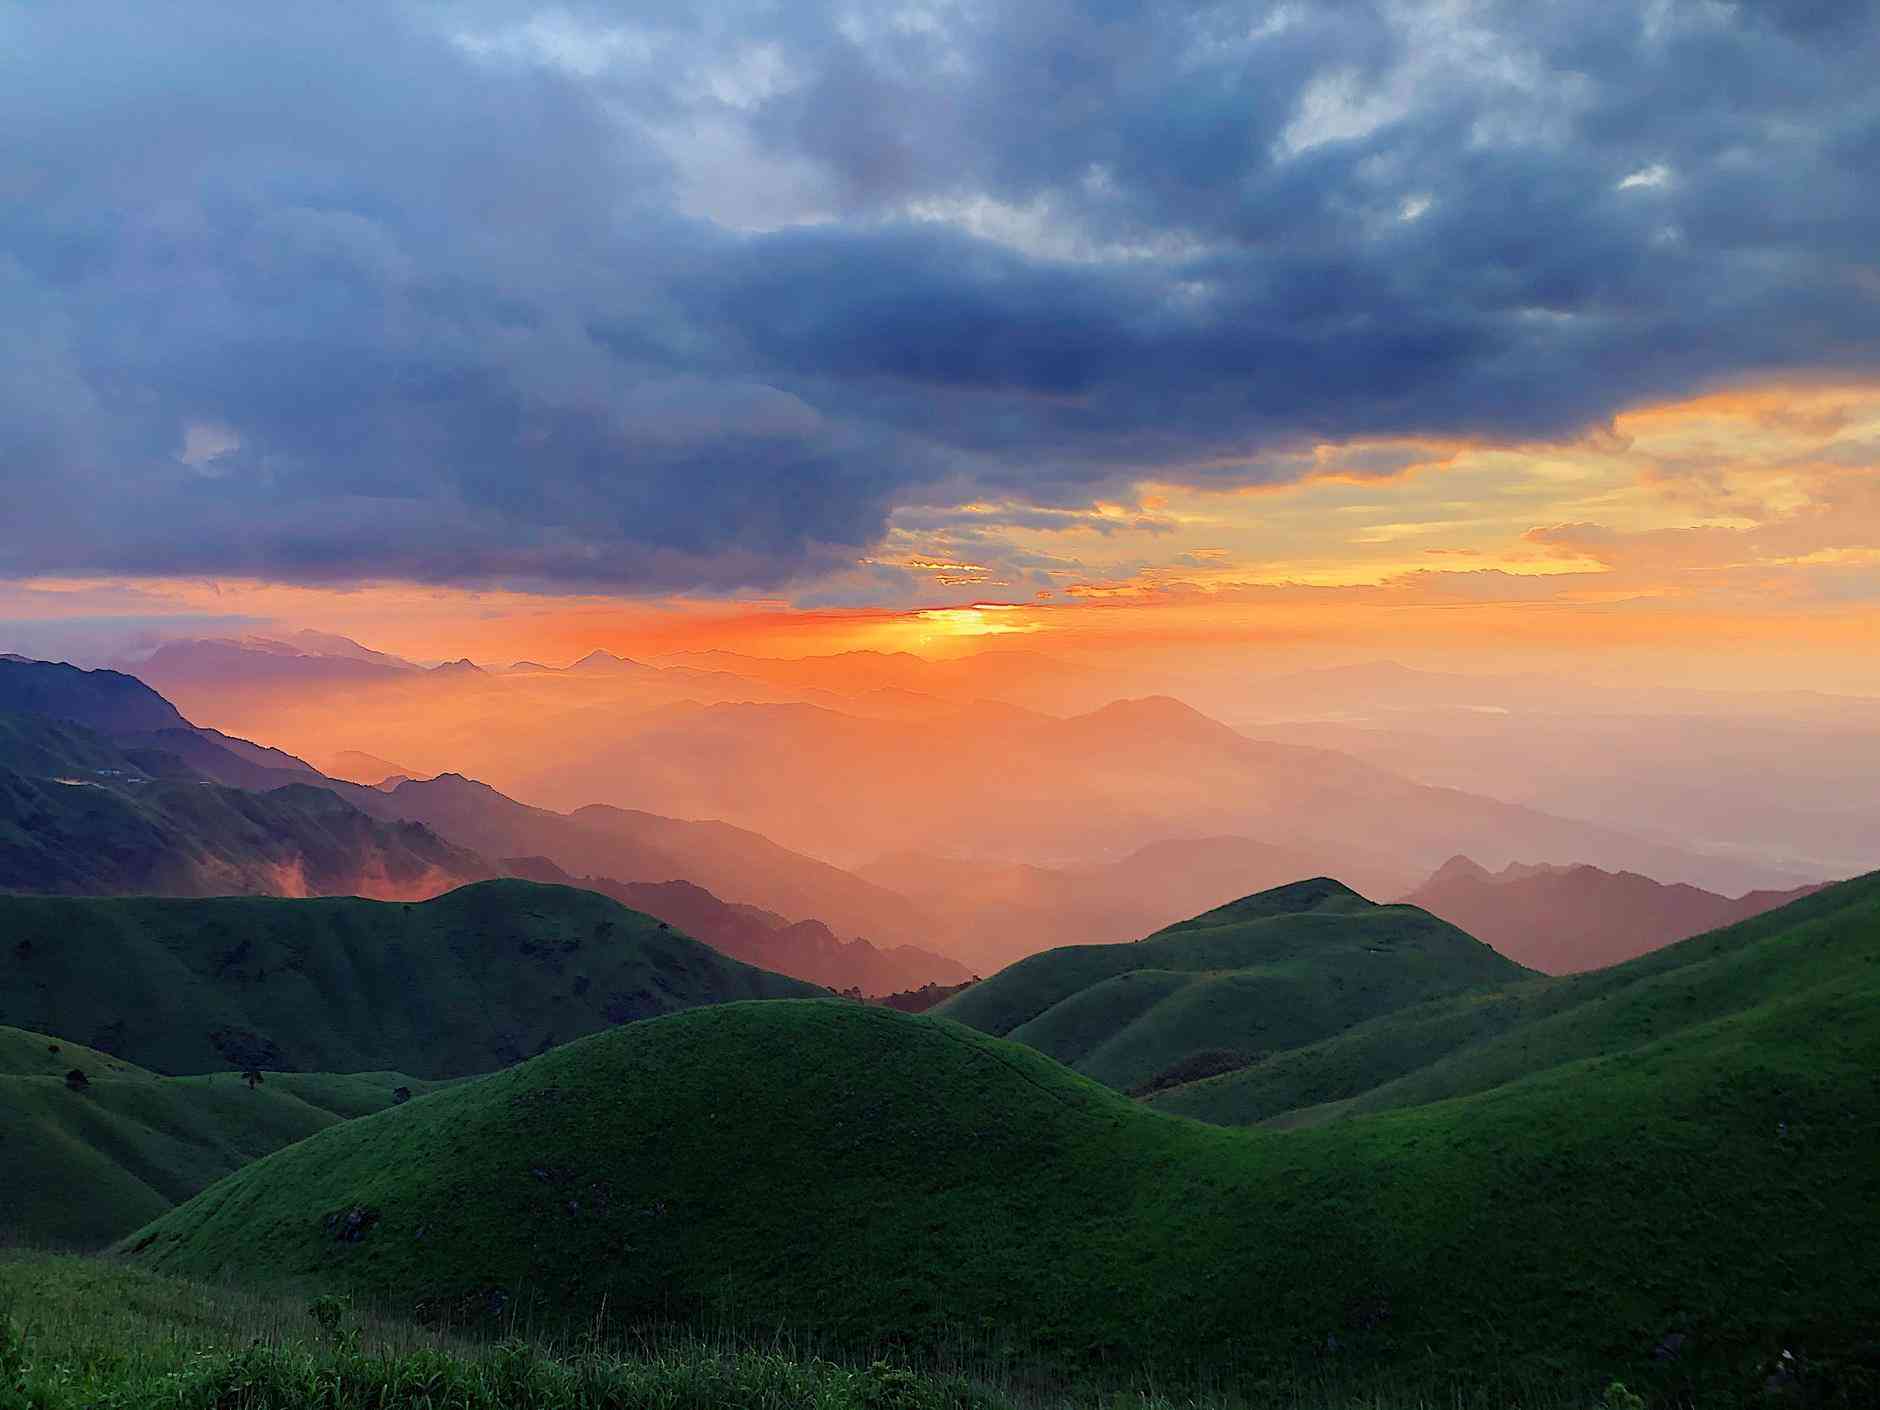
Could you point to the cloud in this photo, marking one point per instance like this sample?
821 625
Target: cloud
697 298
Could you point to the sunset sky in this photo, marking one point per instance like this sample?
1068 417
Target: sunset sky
1472 334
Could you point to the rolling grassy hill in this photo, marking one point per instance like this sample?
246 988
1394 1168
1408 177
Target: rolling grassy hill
1269 972
87 1165
869 1174
1820 948
472 980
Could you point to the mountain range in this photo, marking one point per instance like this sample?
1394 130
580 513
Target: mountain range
1561 919
78 815
1014 759
163 807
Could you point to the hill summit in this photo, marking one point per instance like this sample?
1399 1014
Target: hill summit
1271 971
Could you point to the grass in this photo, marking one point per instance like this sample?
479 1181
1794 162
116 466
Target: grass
1824 945
464 983
87 1166
1269 973
84 1334
865 1175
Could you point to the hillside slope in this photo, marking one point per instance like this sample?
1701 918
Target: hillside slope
470 981
1265 973
1564 919
87 1164
923 1181
1827 943
107 702
80 815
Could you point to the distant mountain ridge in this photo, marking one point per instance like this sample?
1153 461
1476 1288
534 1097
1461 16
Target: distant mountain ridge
805 949
734 864
130 814
1010 787
107 702
81 816
1565 919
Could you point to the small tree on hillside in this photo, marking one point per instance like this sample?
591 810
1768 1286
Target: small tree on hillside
252 1078
77 1080
400 1095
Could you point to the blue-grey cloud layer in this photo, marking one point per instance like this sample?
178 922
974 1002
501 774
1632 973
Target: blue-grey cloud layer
587 298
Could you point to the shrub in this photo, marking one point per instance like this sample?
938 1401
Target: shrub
77 1080
328 1311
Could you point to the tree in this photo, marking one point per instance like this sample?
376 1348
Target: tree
252 1078
400 1095
77 1080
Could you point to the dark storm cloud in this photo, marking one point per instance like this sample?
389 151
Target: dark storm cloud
579 297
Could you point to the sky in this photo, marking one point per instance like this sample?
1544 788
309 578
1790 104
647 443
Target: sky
1468 332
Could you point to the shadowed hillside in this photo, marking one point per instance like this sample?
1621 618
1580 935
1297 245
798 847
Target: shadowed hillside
464 983
1268 972
80 815
89 1160
107 702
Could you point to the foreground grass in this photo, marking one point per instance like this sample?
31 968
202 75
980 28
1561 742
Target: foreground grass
78 1332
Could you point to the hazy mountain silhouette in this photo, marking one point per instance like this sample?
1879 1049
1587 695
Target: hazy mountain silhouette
805 949
368 769
478 821
1003 785
1564 919
108 702
732 863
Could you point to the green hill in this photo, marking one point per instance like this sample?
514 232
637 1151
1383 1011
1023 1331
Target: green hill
876 1175
80 815
1470 1042
472 980
86 1164
1264 974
